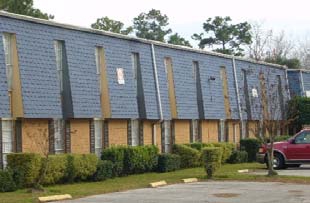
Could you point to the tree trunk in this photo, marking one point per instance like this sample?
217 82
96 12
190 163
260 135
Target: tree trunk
271 171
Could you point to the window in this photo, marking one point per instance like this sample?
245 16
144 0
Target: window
7 138
98 56
8 50
195 69
98 124
135 132
194 133
135 65
154 134
59 49
303 138
59 136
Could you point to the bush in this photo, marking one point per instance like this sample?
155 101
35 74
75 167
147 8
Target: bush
212 157
227 149
168 162
238 157
104 170
56 169
116 156
7 183
189 157
140 159
299 112
282 138
81 167
251 146
26 167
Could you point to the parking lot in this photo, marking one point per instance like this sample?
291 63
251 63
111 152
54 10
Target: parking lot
211 191
303 170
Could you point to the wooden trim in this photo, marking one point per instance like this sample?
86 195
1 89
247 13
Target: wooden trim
171 89
105 96
1 150
67 136
264 98
225 92
17 99
105 134
92 136
51 136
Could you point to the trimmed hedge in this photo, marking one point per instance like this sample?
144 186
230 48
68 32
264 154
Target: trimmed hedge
115 154
251 146
7 183
80 167
189 157
104 170
56 169
25 166
132 160
168 162
238 157
140 159
227 149
212 157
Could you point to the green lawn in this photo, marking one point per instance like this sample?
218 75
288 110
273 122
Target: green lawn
227 172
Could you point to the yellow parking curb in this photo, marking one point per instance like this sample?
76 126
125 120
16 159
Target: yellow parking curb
54 198
158 184
190 180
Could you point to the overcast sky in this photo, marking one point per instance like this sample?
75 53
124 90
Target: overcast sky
186 17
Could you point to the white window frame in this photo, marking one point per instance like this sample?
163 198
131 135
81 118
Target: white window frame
98 130
59 136
135 128
58 45
98 49
8 51
7 138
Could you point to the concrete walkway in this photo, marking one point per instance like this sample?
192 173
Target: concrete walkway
221 192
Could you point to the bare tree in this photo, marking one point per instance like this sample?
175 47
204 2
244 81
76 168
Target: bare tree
268 104
261 38
280 46
302 52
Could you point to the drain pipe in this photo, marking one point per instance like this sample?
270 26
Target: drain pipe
302 83
157 83
238 97
288 86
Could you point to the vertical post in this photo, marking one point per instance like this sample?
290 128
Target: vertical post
238 99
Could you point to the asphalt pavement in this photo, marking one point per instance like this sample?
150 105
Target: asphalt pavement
209 192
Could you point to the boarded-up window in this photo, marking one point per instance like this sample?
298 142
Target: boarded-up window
172 98
225 92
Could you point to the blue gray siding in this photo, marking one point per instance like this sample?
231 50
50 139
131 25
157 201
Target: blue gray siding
294 83
4 99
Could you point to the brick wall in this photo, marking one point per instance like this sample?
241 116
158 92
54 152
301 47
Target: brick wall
35 136
80 136
209 131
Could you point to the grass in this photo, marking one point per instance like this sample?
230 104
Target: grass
227 172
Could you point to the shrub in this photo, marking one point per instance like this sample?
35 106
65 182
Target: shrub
227 149
56 169
168 162
251 146
282 138
26 167
116 156
212 157
7 183
140 159
104 170
299 112
81 167
238 157
189 157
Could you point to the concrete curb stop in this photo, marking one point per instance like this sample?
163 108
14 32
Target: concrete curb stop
54 198
158 184
190 180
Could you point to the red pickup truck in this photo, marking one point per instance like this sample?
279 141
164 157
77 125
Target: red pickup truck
290 153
